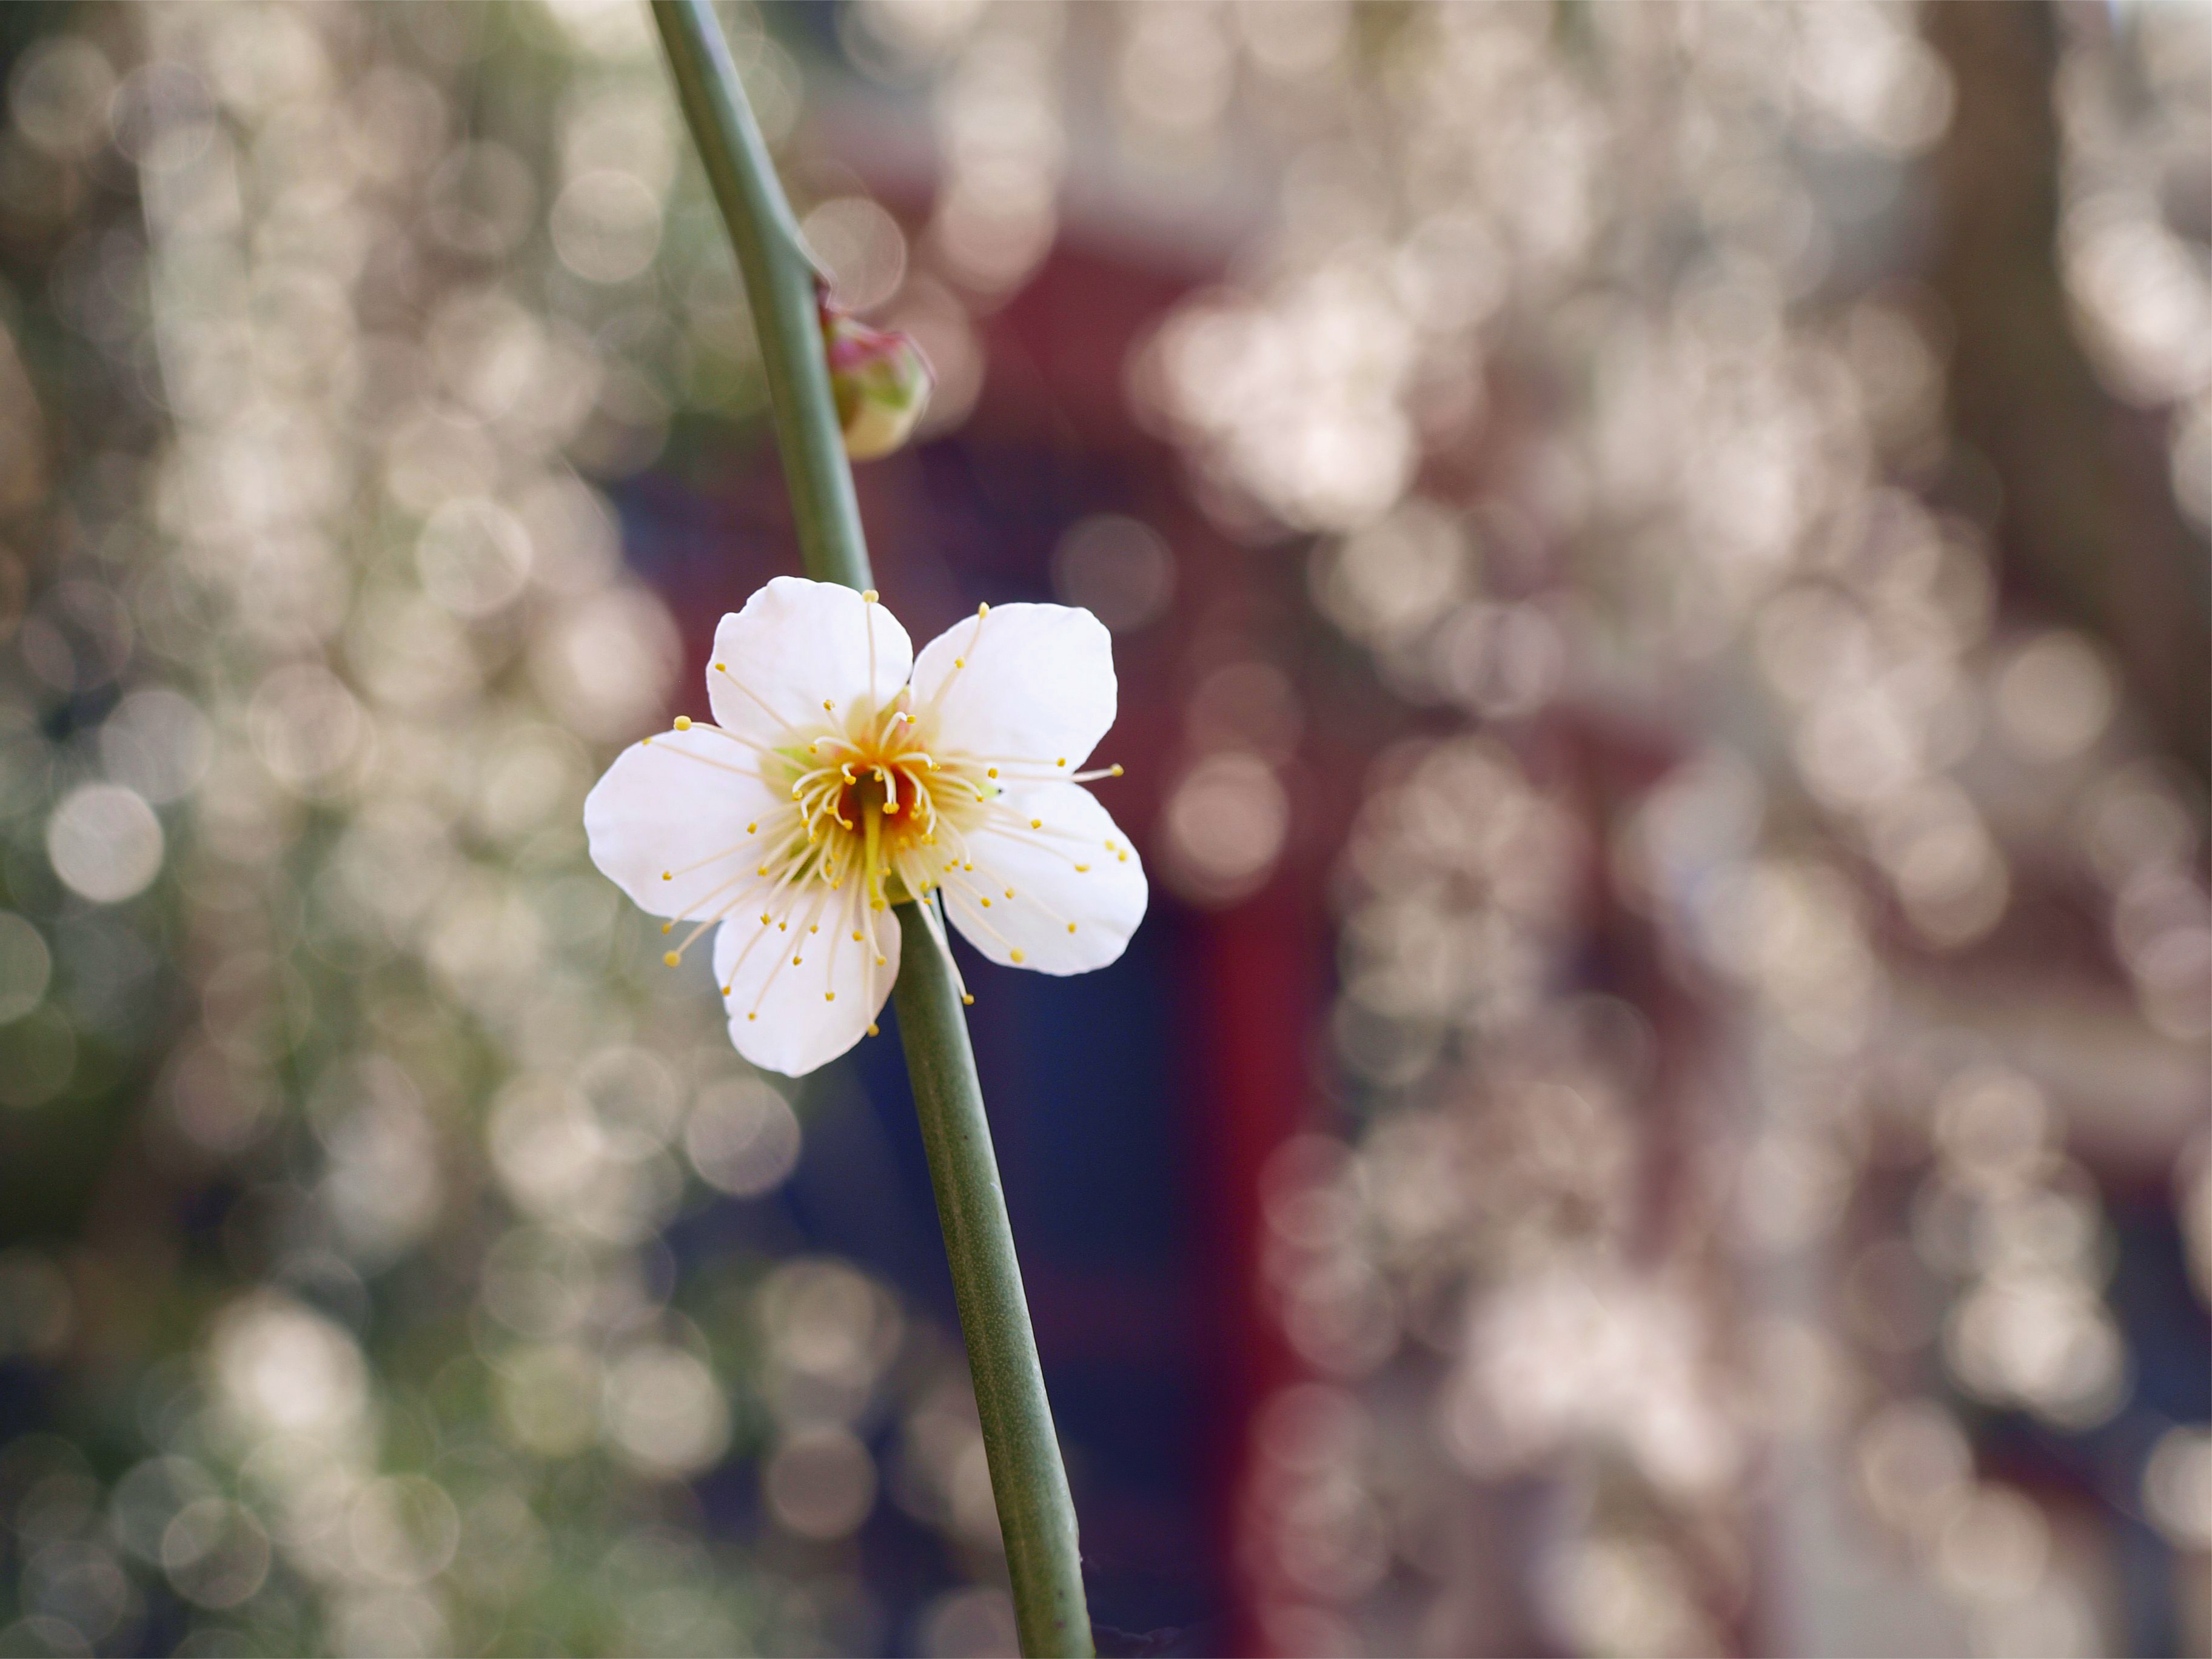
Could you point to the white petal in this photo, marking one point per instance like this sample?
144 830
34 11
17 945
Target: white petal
781 1018
1031 684
796 645
678 804
1105 899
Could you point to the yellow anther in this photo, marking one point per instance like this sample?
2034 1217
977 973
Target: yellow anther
642 742
671 959
667 926
982 609
1081 868
725 990
683 722
1113 771
781 928
1010 892
967 1000
856 936
874 1029
1062 761
751 828
814 927
1017 956
667 875
719 669
765 918
796 961
1071 926
869 595
828 705
990 771
987 904
1124 857
880 961
752 1016
761 870
1037 823
890 807
829 996
960 662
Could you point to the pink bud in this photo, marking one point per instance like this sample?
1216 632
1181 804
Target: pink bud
881 381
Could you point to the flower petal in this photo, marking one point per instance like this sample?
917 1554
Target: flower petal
1028 683
797 645
678 806
1074 866
782 1016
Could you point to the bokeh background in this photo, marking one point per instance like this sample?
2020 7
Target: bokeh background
1657 557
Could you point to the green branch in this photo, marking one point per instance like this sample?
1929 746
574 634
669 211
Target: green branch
1036 1514
780 285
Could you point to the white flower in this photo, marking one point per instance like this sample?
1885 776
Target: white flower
842 775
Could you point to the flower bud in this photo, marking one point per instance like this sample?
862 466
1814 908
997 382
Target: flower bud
881 381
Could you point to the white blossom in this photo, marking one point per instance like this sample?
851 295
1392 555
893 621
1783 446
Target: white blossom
842 774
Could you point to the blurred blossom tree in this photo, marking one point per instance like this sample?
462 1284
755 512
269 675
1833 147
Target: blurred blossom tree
1729 482
317 618
1589 353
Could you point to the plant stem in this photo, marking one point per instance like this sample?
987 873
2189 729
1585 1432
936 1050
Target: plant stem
1036 1515
780 284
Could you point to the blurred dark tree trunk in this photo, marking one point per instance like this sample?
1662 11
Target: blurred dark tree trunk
2088 526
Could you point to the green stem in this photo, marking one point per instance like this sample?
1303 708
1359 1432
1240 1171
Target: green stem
1036 1514
780 284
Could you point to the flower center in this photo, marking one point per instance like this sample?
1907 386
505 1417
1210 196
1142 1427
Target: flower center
871 801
